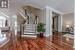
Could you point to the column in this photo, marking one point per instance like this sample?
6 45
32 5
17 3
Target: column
50 12
48 22
74 26
74 31
60 22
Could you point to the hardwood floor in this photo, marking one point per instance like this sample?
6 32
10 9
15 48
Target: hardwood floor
56 43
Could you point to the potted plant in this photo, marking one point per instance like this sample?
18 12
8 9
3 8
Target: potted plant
40 29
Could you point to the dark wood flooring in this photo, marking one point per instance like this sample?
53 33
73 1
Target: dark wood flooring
56 42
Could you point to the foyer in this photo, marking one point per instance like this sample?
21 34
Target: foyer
37 25
57 43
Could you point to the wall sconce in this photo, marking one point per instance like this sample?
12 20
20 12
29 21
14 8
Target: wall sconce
67 26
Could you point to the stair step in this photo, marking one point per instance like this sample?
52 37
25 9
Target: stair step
29 36
29 33
30 26
29 29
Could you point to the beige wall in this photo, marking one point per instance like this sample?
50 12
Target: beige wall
68 19
34 12
20 20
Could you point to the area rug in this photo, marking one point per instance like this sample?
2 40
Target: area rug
68 36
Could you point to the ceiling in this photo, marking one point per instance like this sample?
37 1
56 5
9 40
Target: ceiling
64 6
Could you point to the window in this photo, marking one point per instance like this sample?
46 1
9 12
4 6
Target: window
2 21
3 3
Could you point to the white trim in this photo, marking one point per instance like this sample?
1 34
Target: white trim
56 11
68 12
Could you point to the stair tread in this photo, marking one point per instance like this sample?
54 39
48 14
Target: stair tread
29 31
29 34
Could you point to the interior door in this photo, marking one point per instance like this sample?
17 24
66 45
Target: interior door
55 23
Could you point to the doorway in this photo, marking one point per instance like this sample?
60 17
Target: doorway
55 24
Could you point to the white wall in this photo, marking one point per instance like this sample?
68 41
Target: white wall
68 19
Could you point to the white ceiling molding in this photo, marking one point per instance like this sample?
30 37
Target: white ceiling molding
52 9
68 11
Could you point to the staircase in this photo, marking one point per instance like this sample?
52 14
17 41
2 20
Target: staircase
29 27
29 30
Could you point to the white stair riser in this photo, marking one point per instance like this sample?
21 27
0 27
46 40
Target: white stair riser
30 24
29 33
29 29
28 36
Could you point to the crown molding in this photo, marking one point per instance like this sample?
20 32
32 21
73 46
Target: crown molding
54 10
68 12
